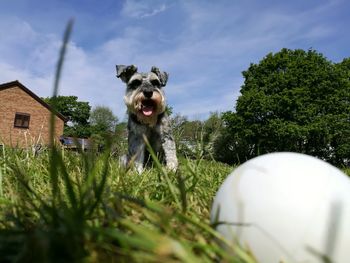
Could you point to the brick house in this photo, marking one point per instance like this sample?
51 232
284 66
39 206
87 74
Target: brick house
25 118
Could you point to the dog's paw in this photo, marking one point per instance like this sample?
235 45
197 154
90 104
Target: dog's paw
172 166
123 160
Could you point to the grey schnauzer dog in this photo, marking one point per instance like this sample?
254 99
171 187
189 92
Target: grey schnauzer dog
146 106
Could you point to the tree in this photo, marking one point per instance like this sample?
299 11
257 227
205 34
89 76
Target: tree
105 129
293 100
77 113
195 139
103 120
212 128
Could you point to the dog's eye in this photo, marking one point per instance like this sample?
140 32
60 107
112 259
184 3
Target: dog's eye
135 83
155 82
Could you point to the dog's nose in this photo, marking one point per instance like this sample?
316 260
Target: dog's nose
148 94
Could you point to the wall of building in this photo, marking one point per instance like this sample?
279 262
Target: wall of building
14 100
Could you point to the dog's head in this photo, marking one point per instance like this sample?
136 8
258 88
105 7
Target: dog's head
144 96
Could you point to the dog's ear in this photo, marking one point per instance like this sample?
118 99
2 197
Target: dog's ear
162 75
125 72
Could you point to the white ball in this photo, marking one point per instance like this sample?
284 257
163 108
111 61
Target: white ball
293 207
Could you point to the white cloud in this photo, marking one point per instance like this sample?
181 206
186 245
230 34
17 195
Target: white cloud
143 9
200 103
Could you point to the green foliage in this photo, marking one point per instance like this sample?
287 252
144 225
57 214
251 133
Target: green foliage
212 128
89 209
77 113
102 120
195 139
120 139
293 100
347 171
231 145
168 110
103 124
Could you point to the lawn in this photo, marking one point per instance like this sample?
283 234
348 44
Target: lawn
63 206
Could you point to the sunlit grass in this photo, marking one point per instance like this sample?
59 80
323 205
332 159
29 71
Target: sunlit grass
102 213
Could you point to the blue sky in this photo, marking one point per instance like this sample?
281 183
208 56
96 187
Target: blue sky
203 45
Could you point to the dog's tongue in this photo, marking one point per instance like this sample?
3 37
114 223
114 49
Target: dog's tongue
147 110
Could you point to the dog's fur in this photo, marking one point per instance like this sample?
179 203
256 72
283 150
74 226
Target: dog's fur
145 101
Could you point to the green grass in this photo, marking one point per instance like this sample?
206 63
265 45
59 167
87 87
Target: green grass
86 208
63 206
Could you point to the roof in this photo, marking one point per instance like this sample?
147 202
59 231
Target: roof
16 83
73 142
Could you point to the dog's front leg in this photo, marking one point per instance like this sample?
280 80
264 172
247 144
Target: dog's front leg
169 148
136 152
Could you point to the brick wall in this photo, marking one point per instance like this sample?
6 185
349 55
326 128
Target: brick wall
14 100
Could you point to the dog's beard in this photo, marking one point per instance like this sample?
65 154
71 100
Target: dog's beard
146 110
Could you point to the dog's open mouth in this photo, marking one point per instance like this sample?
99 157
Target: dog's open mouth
148 107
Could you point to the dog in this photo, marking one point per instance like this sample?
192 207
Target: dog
146 107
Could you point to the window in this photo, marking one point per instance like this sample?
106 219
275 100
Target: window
22 120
